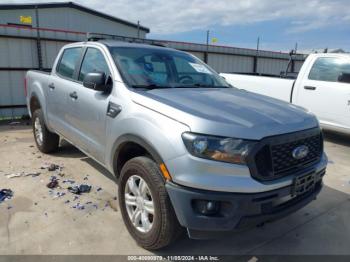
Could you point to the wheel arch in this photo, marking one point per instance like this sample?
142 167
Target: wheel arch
34 103
129 146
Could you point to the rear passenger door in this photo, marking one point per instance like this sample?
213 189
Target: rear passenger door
325 91
90 106
59 87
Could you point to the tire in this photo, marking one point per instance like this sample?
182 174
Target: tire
49 141
165 228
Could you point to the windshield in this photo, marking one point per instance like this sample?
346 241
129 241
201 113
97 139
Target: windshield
163 68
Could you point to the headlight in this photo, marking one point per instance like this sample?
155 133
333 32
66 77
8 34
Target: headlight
230 150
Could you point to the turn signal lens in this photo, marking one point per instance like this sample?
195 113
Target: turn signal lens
165 172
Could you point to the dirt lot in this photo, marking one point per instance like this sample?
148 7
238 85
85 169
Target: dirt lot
38 221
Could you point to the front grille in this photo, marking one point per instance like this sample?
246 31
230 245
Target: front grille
282 159
274 158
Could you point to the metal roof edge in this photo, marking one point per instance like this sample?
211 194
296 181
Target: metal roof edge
71 5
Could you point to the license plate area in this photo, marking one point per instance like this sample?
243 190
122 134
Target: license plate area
303 184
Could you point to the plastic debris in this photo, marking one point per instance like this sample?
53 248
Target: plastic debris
53 183
5 194
79 206
83 188
60 194
53 167
68 181
23 174
99 189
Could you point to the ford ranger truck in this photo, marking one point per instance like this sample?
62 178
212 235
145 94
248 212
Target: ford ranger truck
189 150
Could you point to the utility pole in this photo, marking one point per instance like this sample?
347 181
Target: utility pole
138 29
208 34
255 62
206 53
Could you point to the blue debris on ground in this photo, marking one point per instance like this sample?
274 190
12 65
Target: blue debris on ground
79 189
5 194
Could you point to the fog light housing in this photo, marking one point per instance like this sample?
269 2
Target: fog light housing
206 207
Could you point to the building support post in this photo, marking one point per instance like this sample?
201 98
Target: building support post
38 41
293 67
255 64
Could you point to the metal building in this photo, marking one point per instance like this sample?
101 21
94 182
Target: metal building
227 59
23 46
31 35
67 16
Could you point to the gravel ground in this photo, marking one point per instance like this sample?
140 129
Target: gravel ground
38 220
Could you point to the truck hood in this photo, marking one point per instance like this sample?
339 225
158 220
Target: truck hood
227 111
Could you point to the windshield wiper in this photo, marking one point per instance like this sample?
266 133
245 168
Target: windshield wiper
151 86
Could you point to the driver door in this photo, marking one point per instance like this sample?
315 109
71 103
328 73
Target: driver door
90 106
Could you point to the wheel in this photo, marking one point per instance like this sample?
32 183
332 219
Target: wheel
145 205
45 140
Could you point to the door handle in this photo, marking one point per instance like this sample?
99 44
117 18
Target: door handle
52 86
74 95
309 87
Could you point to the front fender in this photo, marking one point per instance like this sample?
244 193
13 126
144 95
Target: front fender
160 135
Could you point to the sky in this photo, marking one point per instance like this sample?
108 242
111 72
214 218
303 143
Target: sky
280 24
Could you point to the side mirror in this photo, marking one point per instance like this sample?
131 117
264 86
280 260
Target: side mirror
344 78
95 81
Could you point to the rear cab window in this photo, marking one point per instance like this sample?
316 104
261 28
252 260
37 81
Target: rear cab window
69 62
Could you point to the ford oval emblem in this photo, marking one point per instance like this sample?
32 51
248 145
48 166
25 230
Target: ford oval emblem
300 152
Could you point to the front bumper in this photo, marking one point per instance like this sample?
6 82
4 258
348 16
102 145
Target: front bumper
237 210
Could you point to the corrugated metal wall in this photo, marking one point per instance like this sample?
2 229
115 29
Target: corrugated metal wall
271 67
225 59
225 63
18 54
12 93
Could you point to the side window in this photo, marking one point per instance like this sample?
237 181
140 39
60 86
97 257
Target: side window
69 61
330 69
94 61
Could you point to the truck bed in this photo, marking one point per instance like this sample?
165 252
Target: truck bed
37 82
279 88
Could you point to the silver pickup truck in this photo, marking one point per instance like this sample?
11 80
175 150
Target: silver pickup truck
189 150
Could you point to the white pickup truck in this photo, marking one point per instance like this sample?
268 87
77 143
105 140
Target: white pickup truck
322 87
